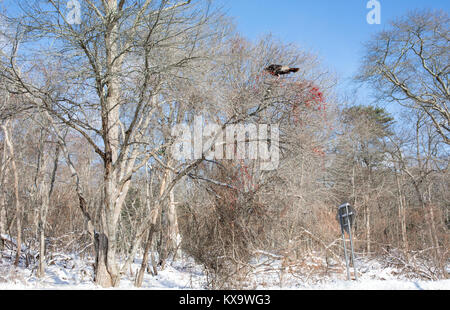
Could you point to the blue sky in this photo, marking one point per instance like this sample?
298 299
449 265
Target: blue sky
335 29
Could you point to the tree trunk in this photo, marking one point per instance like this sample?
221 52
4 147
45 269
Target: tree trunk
41 226
402 216
160 208
46 189
172 225
144 264
368 232
16 193
2 219
102 275
41 269
107 271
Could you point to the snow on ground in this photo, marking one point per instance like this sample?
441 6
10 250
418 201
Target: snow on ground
313 273
365 284
70 272
270 272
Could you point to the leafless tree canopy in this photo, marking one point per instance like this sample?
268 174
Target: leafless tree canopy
408 64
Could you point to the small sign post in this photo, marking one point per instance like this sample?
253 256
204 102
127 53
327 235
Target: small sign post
346 216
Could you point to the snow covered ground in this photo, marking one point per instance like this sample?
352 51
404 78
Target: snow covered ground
74 273
269 273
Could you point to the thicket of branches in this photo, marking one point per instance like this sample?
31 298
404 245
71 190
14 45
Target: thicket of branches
85 140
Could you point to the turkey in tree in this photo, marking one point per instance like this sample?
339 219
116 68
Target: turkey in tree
278 70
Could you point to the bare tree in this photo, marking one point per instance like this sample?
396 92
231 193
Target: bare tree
409 64
110 70
46 186
19 209
3 169
420 167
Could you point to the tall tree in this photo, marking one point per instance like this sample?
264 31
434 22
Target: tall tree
103 78
409 64
19 208
360 152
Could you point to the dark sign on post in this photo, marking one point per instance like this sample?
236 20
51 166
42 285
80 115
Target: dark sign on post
346 216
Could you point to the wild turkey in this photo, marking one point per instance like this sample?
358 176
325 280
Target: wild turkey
278 70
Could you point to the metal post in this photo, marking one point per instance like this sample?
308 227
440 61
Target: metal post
351 242
345 253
